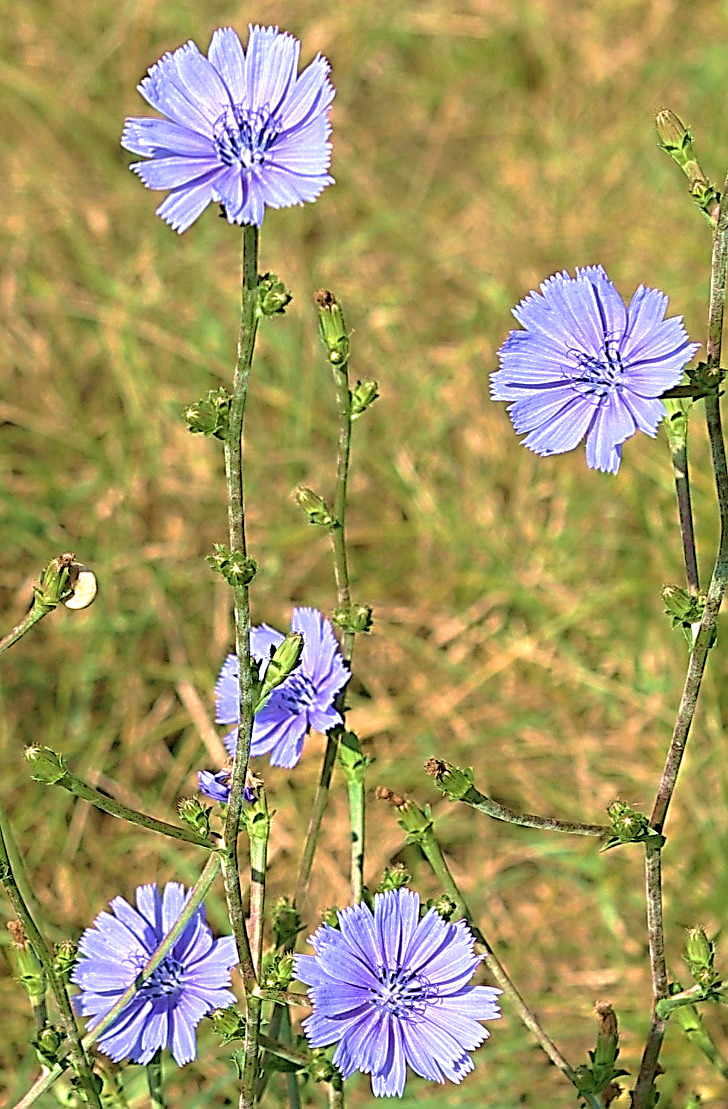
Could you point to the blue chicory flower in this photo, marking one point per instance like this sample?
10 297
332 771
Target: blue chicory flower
243 128
391 990
190 981
303 701
217 786
588 365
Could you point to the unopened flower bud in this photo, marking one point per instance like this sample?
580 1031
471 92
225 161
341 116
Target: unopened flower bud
282 663
54 583
47 765
273 296
228 1024
682 607
64 958
210 417
627 824
286 922
675 138
454 782
363 396
315 507
277 971
332 328
46 1044
353 618
700 956
194 813
235 566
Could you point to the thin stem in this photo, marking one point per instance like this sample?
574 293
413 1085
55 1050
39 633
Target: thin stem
154 1081
435 858
259 833
236 526
336 1094
94 797
685 513
31 618
338 531
317 812
704 640
79 1058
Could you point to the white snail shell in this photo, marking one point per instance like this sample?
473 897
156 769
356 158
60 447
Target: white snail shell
85 588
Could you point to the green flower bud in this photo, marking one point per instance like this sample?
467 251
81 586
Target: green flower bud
699 955
363 396
228 1024
47 765
315 507
703 379
332 328
677 142
235 566
352 761
277 971
353 618
273 296
330 916
64 959
283 662
416 822
394 878
444 906
46 1044
320 1067
286 922
210 417
194 813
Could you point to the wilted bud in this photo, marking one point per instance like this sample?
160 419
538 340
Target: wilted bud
286 922
282 663
677 142
315 507
235 566
47 765
699 955
26 964
454 782
332 328
363 396
194 813
353 618
228 1024
273 296
210 416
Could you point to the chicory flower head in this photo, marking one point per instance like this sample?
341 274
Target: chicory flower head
191 980
243 127
391 990
303 701
586 364
216 786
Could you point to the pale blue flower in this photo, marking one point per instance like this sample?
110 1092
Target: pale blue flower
243 127
392 991
586 365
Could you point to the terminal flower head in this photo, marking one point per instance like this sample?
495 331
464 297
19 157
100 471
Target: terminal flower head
243 128
192 979
392 991
587 365
303 701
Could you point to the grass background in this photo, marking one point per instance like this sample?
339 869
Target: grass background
478 148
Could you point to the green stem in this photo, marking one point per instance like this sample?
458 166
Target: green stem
704 640
317 812
35 939
692 996
29 621
154 1081
94 797
251 1066
236 527
259 833
336 1094
685 513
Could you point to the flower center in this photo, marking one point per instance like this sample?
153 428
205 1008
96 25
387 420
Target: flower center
598 376
243 137
402 993
298 692
166 981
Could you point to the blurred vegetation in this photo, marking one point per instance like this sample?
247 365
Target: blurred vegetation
478 148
